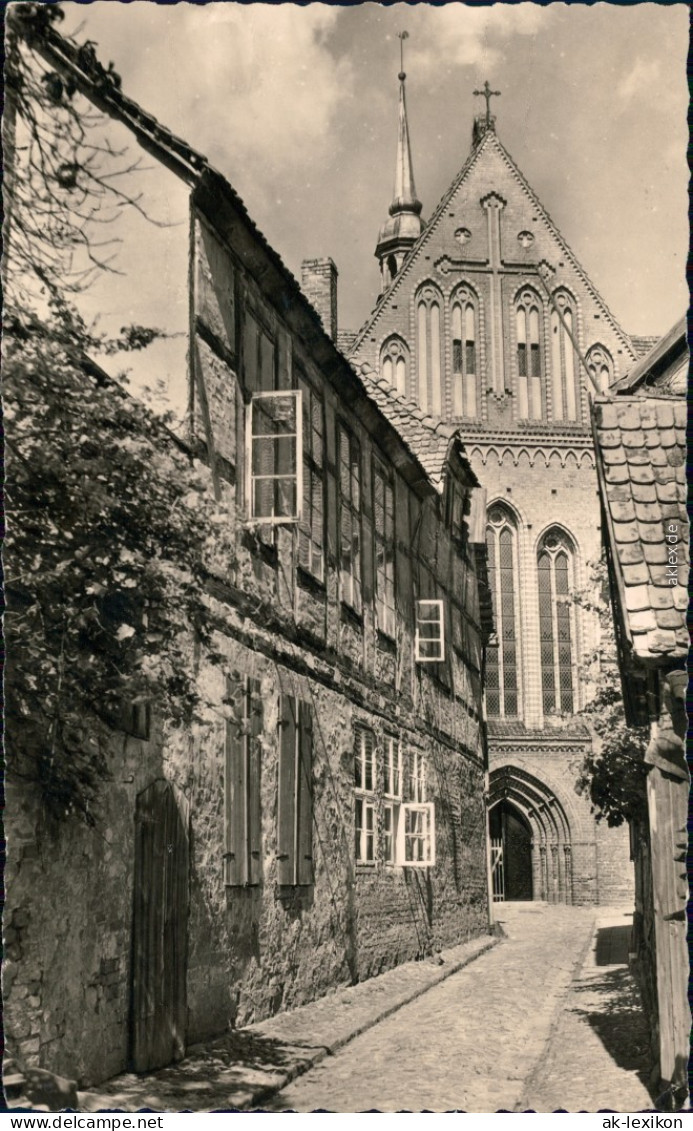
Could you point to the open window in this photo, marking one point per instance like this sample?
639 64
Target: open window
416 839
274 457
429 640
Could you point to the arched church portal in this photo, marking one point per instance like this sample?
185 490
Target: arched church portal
531 853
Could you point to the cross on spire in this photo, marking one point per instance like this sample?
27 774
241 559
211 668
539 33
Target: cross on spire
488 94
402 35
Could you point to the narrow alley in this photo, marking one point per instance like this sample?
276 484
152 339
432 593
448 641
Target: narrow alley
548 1019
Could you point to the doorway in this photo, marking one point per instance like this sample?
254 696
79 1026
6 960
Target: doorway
160 928
511 853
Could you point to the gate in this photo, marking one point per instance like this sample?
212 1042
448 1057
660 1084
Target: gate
497 878
160 928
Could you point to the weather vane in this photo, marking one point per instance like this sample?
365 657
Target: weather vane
488 94
402 35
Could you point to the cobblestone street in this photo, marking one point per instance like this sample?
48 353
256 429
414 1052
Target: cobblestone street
547 1019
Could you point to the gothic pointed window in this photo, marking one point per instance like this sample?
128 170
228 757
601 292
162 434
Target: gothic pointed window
529 358
393 364
465 354
502 658
429 369
564 359
601 366
556 623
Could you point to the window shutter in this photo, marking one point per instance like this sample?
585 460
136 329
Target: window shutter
254 801
235 839
305 797
286 814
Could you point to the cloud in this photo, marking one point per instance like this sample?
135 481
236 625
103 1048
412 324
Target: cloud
465 35
259 65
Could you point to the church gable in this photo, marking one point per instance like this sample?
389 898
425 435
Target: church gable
491 315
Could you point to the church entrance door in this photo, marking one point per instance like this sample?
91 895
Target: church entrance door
511 838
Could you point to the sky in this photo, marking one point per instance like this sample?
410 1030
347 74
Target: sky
297 107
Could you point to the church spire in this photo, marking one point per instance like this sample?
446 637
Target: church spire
403 226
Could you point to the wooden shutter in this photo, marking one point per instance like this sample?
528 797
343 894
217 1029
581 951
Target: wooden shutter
304 837
286 808
254 806
235 817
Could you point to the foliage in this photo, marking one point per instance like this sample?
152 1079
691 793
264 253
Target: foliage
108 519
613 773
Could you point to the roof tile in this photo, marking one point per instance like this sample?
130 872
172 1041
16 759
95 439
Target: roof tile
665 415
668 492
631 554
664 474
668 618
614 455
667 437
621 512
642 621
643 474
637 574
663 640
627 532
617 473
681 598
655 552
675 456
648 415
648 512
658 457
607 415
635 439
638 455
628 415
683 639
660 598
610 438
637 598
650 533
644 492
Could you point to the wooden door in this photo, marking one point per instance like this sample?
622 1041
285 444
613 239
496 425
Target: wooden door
160 928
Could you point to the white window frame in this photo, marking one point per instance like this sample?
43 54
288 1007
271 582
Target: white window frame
392 797
366 797
429 640
296 475
422 816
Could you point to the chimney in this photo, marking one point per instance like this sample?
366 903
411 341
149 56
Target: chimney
319 285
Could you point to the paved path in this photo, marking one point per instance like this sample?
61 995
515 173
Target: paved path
495 1036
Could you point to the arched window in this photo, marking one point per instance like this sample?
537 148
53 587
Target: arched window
502 659
556 627
601 366
465 353
393 364
564 360
428 321
527 326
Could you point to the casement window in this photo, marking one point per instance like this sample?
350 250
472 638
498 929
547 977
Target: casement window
259 356
311 536
135 718
556 635
365 800
295 803
601 366
416 845
393 364
349 518
564 359
464 354
527 326
429 640
274 457
242 822
502 659
384 544
429 306
392 790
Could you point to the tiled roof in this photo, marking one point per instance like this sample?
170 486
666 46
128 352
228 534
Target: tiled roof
642 344
427 437
664 367
641 463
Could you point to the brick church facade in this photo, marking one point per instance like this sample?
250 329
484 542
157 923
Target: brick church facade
487 320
